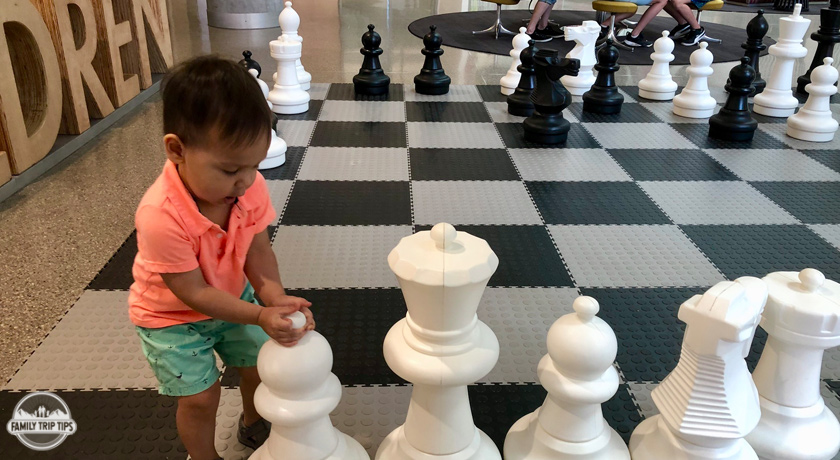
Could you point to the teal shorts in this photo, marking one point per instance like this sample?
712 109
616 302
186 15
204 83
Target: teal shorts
182 356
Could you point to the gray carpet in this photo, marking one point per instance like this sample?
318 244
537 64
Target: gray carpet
813 8
456 29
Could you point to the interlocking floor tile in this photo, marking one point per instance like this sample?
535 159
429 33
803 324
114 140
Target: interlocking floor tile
829 158
770 165
461 164
447 112
348 203
457 93
571 165
630 113
632 255
362 111
296 133
670 165
369 414
453 135
595 203
355 164
829 232
665 112
116 274
289 169
346 92
358 134
279 190
778 131
318 91
478 202
699 135
810 202
491 93
637 135
499 113
310 115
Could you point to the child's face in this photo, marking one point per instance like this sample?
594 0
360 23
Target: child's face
214 174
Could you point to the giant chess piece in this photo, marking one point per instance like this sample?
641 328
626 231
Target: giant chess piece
287 97
371 79
289 23
604 97
440 346
547 125
734 121
658 84
432 78
777 98
519 103
276 155
584 36
708 403
695 100
510 80
578 374
298 403
756 30
814 121
826 37
802 320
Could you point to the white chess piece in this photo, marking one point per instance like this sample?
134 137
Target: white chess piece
695 100
814 122
709 402
777 98
276 155
658 84
510 80
286 96
289 23
585 36
802 320
441 346
296 395
578 374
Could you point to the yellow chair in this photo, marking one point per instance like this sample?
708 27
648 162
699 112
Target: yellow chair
713 5
497 28
604 7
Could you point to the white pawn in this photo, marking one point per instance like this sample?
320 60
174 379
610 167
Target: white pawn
277 148
585 36
802 319
578 374
510 81
814 122
296 395
695 100
709 402
658 84
777 98
289 23
286 96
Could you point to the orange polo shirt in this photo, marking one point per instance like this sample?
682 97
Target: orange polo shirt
174 237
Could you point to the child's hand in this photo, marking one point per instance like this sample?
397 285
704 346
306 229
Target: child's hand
274 322
288 303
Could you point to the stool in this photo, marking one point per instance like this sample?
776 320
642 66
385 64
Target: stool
497 28
713 5
787 5
606 6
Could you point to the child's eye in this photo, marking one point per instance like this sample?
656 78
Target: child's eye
229 173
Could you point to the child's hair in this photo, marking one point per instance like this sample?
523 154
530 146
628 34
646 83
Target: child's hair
209 93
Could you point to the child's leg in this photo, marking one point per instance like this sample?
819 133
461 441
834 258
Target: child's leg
653 9
540 9
196 421
672 10
546 15
249 381
618 18
682 7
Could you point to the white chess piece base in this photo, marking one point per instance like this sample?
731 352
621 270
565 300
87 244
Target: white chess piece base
347 449
808 433
657 96
781 110
397 447
652 440
528 440
276 153
693 113
809 136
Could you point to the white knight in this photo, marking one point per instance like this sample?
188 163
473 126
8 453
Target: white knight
584 36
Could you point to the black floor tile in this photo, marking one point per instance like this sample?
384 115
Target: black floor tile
630 113
443 112
670 165
346 92
698 133
595 203
348 203
358 134
810 202
829 157
491 93
116 274
289 169
461 164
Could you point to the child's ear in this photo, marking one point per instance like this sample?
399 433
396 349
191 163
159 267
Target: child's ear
174 148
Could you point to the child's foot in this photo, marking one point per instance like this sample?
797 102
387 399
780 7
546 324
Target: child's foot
638 42
553 31
679 31
694 36
253 435
539 37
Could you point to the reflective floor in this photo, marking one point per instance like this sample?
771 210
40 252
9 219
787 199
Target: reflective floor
57 233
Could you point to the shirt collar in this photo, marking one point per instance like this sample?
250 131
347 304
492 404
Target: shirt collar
182 200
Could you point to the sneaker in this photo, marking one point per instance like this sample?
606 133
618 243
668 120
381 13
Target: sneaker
540 37
679 31
553 31
638 42
603 33
693 37
253 436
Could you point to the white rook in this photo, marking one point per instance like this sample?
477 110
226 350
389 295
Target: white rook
441 346
777 98
296 395
802 320
286 96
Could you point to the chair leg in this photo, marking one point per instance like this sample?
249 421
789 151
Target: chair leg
497 28
611 36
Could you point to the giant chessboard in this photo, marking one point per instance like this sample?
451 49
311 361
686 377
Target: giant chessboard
639 210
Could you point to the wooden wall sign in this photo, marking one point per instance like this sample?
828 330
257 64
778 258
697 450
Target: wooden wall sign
72 60
5 168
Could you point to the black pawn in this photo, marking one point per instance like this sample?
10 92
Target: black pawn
734 122
826 37
371 79
756 30
519 102
604 97
547 125
432 78
249 63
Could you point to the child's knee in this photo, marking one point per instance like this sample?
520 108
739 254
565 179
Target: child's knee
207 400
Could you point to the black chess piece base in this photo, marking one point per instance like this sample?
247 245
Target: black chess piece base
546 129
603 107
729 132
371 83
431 84
520 105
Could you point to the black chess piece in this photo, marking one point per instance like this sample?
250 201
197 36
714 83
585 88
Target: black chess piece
756 30
734 122
826 37
432 78
519 102
604 97
371 79
249 63
546 124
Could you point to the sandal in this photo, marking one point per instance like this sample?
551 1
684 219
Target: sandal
253 436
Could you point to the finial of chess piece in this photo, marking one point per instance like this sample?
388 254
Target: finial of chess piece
432 78
371 79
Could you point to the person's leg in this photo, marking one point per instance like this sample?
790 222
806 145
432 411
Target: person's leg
196 422
653 9
543 22
540 9
683 10
618 18
674 13
250 380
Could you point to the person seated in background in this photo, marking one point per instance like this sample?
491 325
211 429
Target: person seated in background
687 31
539 28
636 38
